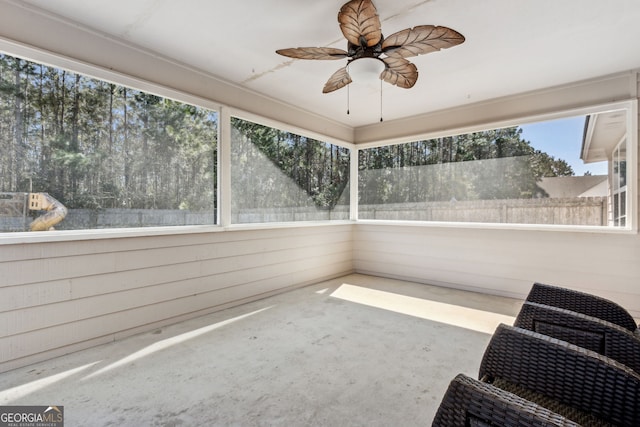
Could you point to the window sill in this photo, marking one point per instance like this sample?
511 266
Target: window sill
497 226
119 233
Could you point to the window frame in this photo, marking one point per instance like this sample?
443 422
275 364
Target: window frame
225 166
631 214
223 207
109 76
617 189
223 158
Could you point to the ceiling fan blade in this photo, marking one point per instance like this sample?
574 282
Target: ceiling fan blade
400 72
338 80
420 40
313 53
360 23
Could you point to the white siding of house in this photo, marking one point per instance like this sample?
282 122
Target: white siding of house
63 296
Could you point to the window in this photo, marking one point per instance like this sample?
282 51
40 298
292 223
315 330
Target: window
278 176
619 188
90 154
549 173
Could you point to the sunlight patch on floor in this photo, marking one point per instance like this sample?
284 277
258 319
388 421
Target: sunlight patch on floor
15 393
164 344
455 315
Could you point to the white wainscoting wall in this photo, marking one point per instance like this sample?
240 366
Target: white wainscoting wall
63 296
503 262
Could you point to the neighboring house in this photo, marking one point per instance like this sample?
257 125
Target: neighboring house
605 139
575 186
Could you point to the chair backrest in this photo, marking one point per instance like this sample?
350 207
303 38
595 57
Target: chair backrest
470 402
582 302
588 332
579 378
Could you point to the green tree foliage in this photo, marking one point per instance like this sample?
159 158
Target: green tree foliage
320 170
494 164
93 144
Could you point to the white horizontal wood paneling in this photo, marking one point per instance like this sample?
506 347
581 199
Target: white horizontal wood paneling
503 262
59 297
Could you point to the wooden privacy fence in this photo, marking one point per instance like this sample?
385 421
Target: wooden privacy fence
557 211
13 212
590 211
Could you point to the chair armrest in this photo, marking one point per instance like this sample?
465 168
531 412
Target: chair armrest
467 401
575 376
581 302
584 331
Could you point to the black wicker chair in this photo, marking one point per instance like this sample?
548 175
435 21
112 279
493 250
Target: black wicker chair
470 403
577 383
582 302
584 331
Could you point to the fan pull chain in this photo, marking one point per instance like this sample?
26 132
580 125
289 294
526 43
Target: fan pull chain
347 100
380 100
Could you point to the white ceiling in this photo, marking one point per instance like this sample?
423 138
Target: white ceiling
512 46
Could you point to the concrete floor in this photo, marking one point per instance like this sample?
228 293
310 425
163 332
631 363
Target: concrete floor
354 351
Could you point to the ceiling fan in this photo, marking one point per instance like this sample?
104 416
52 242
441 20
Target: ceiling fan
360 25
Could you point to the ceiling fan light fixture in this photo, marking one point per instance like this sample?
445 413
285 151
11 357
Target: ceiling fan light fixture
365 70
370 55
